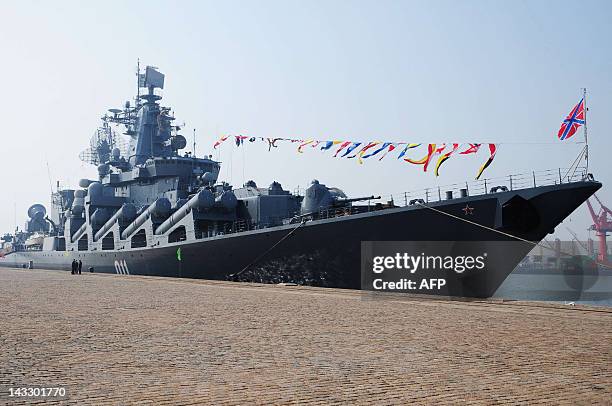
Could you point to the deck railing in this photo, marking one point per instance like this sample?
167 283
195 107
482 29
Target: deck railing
474 188
486 186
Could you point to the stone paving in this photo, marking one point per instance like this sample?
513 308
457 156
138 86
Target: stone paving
112 339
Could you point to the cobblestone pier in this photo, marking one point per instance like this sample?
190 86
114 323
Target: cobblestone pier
112 339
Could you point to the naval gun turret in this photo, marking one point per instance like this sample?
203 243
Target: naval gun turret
319 197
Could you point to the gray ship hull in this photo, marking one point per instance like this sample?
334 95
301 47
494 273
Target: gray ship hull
327 252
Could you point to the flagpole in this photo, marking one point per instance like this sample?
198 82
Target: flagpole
586 139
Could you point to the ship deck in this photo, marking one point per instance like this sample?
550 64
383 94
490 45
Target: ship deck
129 339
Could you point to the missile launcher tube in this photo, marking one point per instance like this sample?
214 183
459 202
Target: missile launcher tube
99 217
79 233
159 208
202 200
127 212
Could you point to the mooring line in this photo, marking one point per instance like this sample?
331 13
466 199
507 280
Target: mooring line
268 250
535 244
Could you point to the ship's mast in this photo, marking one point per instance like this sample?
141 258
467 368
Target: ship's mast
194 142
137 83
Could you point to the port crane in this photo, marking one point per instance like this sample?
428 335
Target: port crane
602 225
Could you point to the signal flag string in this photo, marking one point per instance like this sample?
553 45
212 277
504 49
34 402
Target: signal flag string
435 154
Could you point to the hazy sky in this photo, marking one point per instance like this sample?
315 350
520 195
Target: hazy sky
427 71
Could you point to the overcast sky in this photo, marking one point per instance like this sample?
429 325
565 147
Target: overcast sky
427 71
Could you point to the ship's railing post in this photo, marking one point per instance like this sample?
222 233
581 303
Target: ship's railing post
518 181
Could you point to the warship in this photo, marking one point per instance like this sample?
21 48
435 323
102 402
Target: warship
156 211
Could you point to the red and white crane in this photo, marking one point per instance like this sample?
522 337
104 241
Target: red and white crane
602 225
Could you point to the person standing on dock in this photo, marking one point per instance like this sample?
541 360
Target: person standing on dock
74 265
80 265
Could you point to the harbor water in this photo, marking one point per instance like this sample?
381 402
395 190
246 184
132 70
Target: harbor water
588 289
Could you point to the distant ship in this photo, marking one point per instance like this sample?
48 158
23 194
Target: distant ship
153 211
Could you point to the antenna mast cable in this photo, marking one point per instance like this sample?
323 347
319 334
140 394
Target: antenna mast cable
586 139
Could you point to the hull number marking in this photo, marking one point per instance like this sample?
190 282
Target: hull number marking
121 267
